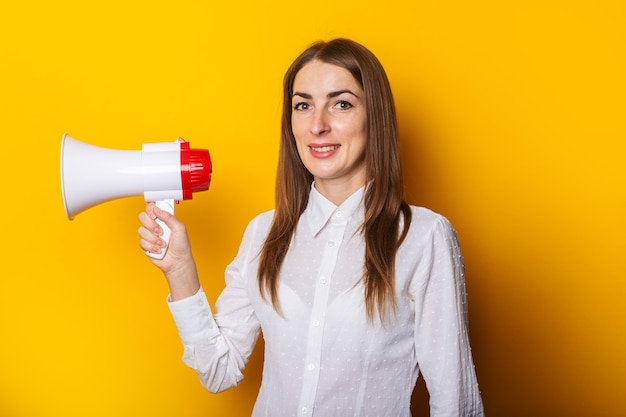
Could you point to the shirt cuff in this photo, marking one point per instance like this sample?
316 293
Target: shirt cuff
193 318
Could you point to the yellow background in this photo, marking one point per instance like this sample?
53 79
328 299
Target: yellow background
513 125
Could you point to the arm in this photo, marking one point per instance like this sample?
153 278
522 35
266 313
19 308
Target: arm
441 328
217 348
178 264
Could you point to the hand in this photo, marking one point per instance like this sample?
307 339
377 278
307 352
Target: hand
178 264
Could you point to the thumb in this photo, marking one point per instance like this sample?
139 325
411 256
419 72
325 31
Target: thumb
164 211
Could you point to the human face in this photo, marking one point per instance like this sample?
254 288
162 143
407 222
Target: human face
329 122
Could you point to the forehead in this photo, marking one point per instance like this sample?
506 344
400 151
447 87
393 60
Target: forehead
324 77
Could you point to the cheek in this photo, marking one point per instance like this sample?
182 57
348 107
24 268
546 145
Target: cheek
356 129
300 147
297 128
356 124
362 139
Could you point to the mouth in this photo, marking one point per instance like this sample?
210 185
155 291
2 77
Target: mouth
325 148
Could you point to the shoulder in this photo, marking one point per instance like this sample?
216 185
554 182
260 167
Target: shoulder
262 219
427 225
425 219
259 225
255 233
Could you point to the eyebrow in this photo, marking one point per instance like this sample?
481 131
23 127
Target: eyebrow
332 94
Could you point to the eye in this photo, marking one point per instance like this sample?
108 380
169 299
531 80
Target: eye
343 105
301 106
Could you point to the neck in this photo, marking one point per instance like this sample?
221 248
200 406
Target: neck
337 191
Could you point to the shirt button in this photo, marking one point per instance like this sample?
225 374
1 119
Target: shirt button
316 323
338 214
331 243
304 410
311 366
323 280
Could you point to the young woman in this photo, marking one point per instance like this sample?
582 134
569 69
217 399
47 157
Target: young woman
355 291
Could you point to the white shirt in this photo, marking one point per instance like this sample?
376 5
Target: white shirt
324 358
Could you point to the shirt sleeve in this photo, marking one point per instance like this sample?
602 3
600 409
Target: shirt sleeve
218 345
441 328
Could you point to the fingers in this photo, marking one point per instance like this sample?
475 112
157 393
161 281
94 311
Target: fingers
150 241
148 220
151 232
150 208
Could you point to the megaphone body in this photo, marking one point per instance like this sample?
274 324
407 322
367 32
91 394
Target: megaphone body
161 172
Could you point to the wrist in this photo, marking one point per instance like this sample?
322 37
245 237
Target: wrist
183 280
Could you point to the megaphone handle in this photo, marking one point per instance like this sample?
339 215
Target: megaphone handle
166 205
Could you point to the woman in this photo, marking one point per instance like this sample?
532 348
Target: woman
355 291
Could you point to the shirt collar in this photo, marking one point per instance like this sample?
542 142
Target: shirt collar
319 209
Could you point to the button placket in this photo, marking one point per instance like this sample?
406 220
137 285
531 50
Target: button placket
336 229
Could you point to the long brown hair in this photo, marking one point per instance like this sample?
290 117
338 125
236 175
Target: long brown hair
387 215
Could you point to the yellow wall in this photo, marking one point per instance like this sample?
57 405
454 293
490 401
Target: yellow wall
513 126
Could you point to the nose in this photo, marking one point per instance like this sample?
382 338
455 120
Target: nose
319 123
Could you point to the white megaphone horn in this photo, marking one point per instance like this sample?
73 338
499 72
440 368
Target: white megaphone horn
161 172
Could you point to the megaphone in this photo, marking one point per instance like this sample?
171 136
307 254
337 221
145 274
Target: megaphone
162 172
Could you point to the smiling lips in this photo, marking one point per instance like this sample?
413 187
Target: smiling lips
324 149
